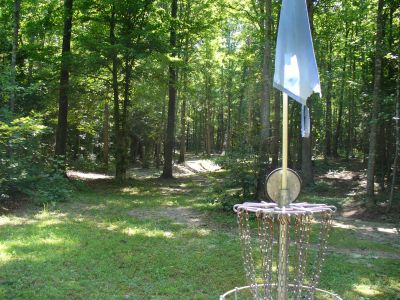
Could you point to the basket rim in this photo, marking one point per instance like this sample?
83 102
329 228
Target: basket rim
237 289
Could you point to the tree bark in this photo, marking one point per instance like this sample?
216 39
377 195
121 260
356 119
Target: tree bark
306 155
306 147
396 154
169 143
182 140
61 133
106 135
276 129
338 131
119 164
328 112
265 101
16 23
376 103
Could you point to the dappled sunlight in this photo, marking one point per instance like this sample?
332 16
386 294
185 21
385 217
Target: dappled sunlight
366 290
193 232
14 220
147 232
45 214
355 226
132 190
87 175
340 174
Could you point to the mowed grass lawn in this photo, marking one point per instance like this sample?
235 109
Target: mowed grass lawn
116 242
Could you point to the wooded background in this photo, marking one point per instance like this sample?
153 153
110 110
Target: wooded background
106 85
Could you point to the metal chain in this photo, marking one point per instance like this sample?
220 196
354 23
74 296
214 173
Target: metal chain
302 234
247 251
300 226
326 221
266 237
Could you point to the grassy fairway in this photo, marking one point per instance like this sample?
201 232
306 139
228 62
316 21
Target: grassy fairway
157 240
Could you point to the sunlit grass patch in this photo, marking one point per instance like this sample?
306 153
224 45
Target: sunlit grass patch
366 290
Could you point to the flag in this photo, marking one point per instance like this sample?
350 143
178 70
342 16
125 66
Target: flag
296 72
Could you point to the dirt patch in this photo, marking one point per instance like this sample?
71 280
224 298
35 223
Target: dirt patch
359 253
85 176
179 215
387 233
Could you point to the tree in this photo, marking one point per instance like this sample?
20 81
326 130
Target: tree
265 133
169 142
16 25
306 145
376 102
61 134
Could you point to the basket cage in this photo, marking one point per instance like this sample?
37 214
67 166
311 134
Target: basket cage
300 231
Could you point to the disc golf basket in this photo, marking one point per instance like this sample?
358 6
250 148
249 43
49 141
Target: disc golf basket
279 260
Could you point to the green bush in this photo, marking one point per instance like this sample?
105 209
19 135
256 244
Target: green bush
240 164
27 164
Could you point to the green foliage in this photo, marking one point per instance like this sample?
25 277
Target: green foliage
241 164
26 166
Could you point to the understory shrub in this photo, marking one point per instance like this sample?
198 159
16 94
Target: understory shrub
240 183
27 163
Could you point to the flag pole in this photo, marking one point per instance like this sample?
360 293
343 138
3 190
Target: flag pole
283 226
284 148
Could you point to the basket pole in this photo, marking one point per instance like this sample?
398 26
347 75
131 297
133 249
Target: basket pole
282 287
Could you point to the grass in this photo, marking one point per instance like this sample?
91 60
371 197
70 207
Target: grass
93 248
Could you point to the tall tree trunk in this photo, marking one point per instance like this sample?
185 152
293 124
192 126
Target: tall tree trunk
338 131
106 135
376 103
265 101
119 164
396 154
61 133
182 142
276 131
228 129
208 116
16 22
122 154
306 147
328 113
352 113
306 155
169 143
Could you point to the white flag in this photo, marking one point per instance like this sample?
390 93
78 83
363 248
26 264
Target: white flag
296 72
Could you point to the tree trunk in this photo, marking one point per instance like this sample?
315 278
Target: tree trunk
227 130
328 113
338 131
119 164
265 101
16 22
61 133
306 147
182 141
352 113
306 155
184 94
396 155
376 103
169 143
276 130
106 135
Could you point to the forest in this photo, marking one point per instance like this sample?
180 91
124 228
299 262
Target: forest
118 88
